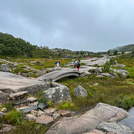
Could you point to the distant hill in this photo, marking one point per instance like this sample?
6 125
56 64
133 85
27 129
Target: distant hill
17 47
11 46
129 47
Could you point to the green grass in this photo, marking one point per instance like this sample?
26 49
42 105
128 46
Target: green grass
39 94
40 64
29 128
23 126
108 91
46 63
14 117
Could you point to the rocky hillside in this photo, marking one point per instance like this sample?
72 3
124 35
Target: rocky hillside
129 47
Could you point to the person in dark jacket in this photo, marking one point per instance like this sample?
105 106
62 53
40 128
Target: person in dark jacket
78 66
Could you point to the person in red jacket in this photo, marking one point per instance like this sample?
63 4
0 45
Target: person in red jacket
78 66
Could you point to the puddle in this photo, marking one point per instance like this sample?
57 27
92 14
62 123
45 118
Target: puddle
129 121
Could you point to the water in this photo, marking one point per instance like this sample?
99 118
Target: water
129 121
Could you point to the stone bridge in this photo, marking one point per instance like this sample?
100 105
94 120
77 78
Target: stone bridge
56 75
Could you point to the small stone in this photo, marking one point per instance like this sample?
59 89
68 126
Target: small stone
45 120
40 113
50 111
64 113
30 117
33 112
32 99
21 108
33 104
42 105
56 116
29 109
3 109
95 84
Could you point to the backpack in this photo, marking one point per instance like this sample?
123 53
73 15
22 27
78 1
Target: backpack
75 65
78 64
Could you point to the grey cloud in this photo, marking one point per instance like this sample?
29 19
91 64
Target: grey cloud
93 25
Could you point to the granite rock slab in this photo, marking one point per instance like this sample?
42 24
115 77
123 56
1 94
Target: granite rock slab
11 83
88 121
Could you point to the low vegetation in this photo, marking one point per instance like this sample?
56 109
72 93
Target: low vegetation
115 92
17 119
118 92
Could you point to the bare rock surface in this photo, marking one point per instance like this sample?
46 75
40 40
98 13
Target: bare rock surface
95 60
10 83
88 121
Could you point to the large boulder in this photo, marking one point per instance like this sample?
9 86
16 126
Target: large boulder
119 66
121 72
5 68
108 75
88 121
98 70
85 74
80 91
57 94
123 75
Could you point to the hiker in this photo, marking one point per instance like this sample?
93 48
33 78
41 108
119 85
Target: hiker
78 66
55 64
75 66
74 61
58 64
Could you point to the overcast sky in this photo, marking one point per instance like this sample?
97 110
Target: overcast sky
88 25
